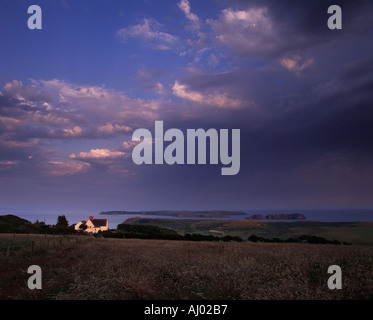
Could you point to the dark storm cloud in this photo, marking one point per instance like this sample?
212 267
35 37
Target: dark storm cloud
311 88
263 29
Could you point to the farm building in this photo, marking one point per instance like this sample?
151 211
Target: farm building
93 225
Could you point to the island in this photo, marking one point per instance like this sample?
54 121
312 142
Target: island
178 214
278 216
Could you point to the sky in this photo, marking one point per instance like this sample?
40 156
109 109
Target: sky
73 93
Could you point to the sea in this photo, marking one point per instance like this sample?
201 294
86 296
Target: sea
49 216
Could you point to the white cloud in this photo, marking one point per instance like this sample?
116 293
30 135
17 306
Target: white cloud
250 32
98 154
159 87
9 123
251 18
149 30
47 106
8 163
184 6
13 84
7 143
111 128
61 168
73 132
98 107
219 100
129 145
296 64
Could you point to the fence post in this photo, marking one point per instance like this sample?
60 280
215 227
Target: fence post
7 251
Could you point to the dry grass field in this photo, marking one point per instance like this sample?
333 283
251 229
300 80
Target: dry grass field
160 269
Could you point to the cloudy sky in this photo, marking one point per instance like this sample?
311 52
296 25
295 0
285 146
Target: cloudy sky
72 94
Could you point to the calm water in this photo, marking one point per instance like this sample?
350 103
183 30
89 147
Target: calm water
50 217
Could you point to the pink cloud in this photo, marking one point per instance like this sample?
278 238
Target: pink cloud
129 145
247 31
98 154
61 168
184 6
296 64
110 128
219 100
149 30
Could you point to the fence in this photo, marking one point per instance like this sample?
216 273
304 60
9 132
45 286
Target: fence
23 243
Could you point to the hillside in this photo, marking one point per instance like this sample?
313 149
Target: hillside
358 233
12 223
278 216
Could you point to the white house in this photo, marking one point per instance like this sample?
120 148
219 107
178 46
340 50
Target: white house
93 225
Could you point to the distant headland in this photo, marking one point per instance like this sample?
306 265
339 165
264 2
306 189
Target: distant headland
278 216
208 214
179 214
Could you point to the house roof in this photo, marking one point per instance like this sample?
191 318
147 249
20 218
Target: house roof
99 222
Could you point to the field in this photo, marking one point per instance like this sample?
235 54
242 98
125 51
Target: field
357 233
159 269
36 242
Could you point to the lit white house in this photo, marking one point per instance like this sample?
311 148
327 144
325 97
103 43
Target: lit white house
93 225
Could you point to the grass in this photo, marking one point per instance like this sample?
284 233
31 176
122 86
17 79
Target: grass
358 233
11 242
161 269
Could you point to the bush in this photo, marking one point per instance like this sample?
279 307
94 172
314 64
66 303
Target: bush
200 237
154 232
305 238
232 238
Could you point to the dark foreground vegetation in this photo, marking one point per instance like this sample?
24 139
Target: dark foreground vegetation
13 224
305 238
131 231
357 233
127 269
111 265
138 231
16 225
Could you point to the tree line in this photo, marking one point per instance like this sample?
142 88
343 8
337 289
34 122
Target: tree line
305 238
14 224
136 231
